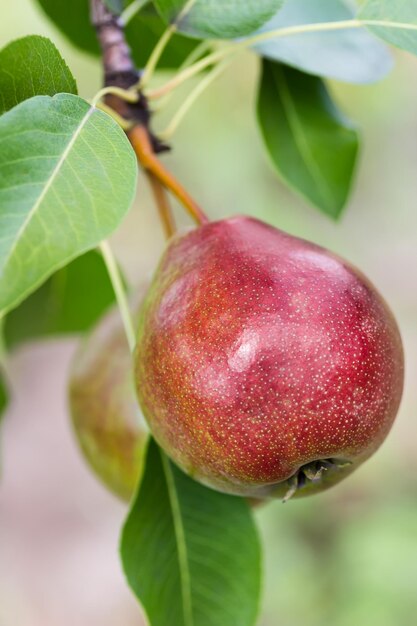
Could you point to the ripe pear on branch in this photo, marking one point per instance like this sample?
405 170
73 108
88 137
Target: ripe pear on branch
265 365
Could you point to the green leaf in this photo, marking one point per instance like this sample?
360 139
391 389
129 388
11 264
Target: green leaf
143 33
32 66
191 555
67 178
311 144
351 55
400 21
73 19
216 18
70 301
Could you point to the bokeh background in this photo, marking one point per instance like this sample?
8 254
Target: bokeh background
346 557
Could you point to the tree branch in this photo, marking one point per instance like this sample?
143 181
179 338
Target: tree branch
120 71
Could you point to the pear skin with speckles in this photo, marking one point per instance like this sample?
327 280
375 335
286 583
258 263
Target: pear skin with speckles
265 365
106 417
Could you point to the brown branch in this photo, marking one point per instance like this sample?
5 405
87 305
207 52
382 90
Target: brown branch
120 71
118 66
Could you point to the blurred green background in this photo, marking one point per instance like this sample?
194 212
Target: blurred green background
346 557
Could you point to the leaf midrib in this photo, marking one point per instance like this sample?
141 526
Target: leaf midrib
299 138
183 562
46 188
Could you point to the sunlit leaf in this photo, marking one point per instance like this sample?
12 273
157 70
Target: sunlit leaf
67 178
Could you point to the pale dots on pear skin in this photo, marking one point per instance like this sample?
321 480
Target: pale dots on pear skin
274 353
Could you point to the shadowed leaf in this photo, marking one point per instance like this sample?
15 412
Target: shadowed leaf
312 145
190 554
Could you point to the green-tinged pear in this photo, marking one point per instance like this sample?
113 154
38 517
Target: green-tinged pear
106 417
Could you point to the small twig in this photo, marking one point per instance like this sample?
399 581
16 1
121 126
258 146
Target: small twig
131 10
125 124
194 55
162 202
139 139
124 94
156 55
121 75
188 72
120 71
161 45
215 57
191 98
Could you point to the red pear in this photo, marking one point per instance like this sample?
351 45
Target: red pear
107 420
265 365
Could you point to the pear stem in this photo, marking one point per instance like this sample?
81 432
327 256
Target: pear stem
162 203
120 293
139 138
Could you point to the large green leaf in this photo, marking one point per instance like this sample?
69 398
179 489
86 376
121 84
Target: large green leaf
216 18
143 33
191 555
67 178
352 54
400 21
70 301
32 66
311 144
